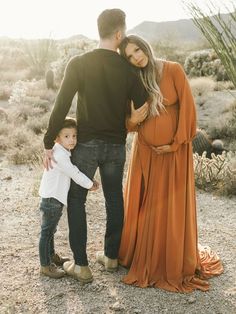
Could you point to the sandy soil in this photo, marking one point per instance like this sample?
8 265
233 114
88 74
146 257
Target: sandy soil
23 290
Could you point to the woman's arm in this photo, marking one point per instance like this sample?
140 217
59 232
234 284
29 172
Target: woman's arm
136 117
186 128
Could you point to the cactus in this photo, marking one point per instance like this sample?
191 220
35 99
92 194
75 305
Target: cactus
217 173
202 143
49 76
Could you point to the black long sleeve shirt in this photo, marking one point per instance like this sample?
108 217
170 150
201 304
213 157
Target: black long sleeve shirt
105 83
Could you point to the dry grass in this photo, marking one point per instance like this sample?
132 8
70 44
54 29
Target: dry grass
223 85
202 85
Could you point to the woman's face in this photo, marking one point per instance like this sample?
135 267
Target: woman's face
136 56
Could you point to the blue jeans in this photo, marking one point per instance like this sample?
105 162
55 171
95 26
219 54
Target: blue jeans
51 210
110 159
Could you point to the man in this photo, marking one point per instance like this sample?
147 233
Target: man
104 82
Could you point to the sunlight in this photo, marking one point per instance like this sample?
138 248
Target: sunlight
65 18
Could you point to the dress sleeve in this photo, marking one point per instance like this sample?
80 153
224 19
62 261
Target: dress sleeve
186 129
65 165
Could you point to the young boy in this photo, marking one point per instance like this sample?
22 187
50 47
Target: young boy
53 190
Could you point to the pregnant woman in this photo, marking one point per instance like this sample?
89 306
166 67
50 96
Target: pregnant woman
159 240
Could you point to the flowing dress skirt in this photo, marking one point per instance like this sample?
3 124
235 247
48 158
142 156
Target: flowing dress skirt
159 241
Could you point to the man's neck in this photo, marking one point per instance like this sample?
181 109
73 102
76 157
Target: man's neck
108 44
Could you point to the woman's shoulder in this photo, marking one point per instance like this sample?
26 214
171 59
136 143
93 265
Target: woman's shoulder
173 64
175 68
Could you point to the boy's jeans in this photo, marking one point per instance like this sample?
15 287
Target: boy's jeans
51 210
110 159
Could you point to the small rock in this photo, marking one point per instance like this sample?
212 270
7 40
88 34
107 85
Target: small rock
191 300
7 178
116 307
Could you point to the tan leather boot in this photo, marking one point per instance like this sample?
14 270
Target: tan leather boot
59 260
110 264
52 271
80 273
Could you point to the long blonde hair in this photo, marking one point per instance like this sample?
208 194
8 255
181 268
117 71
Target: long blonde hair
150 74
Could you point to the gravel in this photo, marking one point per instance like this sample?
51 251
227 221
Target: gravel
23 290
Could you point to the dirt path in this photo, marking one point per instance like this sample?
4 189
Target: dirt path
24 291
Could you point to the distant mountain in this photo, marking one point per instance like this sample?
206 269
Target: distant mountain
178 31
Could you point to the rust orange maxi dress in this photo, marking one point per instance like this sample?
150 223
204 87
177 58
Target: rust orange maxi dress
159 242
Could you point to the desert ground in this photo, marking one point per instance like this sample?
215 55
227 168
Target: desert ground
24 290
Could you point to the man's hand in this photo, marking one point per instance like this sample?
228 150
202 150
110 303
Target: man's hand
138 115
48 158
95 186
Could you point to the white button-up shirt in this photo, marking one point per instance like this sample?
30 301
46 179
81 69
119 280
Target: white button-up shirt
56 181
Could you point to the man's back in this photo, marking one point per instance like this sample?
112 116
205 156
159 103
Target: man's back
105 82
108 83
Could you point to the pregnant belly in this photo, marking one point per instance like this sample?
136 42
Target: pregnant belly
159 130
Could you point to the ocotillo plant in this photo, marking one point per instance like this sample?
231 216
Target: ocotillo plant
218 32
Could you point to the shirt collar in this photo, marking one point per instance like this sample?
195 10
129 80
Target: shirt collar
60 147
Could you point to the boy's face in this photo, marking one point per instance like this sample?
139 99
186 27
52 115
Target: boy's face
67 137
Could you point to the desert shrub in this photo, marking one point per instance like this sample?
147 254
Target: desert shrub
3 142
12 76
205 63
5 90
223 85
20 114
19 137
38 55
5 130
224 126
29 154
68 50
37 125
37 88
31 93
18 95
202 85
217 173
12 57
23 146
3 115
169 51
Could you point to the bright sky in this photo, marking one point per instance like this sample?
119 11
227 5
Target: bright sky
65 18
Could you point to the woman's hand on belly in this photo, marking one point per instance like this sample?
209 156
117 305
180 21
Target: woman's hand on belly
162 149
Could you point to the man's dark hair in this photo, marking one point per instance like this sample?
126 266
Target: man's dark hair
69 123
110 21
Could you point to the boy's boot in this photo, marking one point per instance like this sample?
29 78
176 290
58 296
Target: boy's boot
52 271
80 273
59 260
110 264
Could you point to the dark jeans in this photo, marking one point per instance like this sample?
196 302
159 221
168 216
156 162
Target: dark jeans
51 210
110 159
